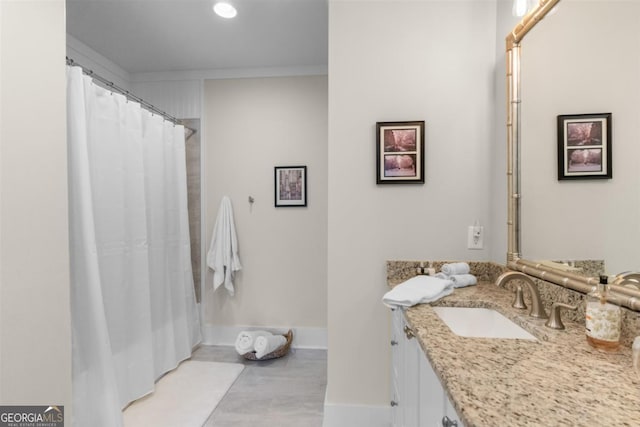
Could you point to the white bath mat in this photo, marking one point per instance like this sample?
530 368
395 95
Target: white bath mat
184 397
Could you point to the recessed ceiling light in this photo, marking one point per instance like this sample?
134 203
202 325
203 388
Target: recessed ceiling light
225 10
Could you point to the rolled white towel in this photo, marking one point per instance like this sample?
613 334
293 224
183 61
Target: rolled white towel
418 290
462 280
455 268
246 340
266 344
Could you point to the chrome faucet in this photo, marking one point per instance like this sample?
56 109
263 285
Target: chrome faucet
537 309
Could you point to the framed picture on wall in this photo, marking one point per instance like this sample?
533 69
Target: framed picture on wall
584 146
400 152
290 186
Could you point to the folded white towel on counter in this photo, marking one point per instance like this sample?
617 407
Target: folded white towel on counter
266 344
418 290
462 280
455 268
246 340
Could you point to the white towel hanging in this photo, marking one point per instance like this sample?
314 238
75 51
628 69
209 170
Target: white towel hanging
223 257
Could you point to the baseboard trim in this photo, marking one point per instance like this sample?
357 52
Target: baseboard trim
356 415
302 337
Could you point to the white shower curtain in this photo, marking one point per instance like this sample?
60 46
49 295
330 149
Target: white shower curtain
134 314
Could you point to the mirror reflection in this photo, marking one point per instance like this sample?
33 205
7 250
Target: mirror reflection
584 58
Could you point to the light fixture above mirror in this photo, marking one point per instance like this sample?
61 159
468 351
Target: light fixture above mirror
225 10
521 7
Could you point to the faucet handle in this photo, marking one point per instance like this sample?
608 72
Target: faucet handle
555 320
519 301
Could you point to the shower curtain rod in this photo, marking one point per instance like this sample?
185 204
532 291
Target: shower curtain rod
131 96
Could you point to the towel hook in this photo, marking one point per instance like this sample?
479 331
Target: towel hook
251 199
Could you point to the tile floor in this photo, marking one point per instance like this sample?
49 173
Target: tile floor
283 392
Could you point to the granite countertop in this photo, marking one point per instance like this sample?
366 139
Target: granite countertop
558 380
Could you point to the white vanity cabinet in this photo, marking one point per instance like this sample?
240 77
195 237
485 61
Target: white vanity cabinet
417 397
435 408
404 384
431 408
452 418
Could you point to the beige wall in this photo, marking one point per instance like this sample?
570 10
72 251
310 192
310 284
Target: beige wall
253 125
35 332
388 61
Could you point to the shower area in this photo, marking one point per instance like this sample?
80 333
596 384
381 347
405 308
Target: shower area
134 249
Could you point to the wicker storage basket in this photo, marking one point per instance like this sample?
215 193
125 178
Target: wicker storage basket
276 353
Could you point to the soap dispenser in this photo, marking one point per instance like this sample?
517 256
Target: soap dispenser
603 319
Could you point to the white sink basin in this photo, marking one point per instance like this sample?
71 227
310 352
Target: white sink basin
480 323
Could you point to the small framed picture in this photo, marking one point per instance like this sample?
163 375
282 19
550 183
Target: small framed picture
584 146
290 186
400 152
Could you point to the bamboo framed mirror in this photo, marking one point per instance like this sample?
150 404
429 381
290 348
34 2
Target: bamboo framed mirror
626 286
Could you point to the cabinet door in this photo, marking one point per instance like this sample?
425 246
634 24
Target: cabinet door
431 404
417 397
411 391
405 356
451 413
397 356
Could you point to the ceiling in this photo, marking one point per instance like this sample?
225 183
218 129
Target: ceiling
185 35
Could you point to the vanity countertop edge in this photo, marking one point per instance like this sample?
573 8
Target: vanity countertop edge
557 380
